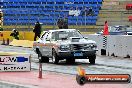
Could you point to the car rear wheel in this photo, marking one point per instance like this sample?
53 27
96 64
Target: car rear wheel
55 58
43 58
92 59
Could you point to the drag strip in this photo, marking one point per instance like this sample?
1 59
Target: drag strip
91 69
104 64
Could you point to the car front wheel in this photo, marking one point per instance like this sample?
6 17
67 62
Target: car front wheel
92 59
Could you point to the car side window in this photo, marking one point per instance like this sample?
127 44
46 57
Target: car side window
43 37
53 36
48 37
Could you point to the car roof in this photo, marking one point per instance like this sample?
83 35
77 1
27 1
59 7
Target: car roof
120 26
62 30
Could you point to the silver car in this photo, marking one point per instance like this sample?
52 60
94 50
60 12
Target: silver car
66 44
119 30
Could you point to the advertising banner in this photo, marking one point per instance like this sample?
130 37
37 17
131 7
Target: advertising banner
15 62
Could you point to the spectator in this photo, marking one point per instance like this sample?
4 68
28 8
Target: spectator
15 34
90 11
106 30
37 30
84 11
65 24
60 23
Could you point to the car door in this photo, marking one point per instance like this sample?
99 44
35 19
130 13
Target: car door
47 48
42 42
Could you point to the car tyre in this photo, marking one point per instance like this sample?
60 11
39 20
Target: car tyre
92 59
44 59
80 79
55 58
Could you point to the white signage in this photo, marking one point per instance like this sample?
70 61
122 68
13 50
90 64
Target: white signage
15 63
16 67
74 12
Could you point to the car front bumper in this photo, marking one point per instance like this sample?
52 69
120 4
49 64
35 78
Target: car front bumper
71 54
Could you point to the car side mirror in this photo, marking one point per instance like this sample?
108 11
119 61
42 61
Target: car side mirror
47 39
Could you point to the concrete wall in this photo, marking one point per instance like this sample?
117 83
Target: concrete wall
116 45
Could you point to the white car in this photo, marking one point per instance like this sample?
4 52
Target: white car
66 44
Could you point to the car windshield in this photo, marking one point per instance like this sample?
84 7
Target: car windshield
129 29
117 28
59 35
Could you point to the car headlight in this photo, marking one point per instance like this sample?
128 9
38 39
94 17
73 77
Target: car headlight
89 45
64 47
93 46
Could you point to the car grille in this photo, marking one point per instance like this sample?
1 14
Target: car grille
77 46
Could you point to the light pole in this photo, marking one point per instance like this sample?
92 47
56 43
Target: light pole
85 17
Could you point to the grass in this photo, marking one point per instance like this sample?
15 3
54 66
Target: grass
46 26
82 28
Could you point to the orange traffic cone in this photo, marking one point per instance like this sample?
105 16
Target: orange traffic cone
3 43
40 70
